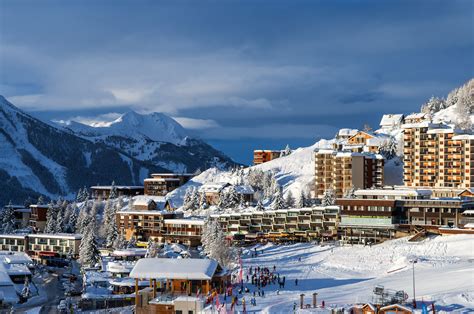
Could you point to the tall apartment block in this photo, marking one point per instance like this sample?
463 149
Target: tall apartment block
437 156
343 170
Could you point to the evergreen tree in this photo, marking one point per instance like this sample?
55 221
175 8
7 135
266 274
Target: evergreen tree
286 151
79 195
202 201
290 200
40 200
89 253
259 206
152 249
113 191
278 201
72 221
120 242
8 219
389 148
301 201
232 197
329 198
51 219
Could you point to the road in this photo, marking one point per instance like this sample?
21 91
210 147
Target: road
54 292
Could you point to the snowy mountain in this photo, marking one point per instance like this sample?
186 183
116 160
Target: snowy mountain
37 158
156 138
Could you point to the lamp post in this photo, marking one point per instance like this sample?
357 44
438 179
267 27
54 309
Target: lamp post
414 295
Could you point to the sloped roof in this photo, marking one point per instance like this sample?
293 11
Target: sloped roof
170 268
347 132
213 187
241 189
145 200
391 119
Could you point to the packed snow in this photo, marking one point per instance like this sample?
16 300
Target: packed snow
346 275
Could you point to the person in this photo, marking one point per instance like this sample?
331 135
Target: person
278 291
299 259
296 281
263 294
294 306
323 303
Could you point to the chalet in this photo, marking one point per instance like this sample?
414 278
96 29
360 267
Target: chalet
415 118
368 309
345 134
395 309
161 184
103 191
467 194
212 191
391 121
182 277
360 138
262 156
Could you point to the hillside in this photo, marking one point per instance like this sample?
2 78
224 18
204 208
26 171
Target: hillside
155 138
36 158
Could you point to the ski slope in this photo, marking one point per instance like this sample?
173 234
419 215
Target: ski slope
343 276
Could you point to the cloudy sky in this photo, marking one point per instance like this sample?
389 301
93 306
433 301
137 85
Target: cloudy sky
240 74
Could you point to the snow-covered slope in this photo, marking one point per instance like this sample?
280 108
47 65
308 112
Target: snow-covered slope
347 275
36 158
156 138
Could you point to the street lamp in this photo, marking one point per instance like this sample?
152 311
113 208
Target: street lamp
414 298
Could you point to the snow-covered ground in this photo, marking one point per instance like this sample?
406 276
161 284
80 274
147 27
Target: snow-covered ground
347 275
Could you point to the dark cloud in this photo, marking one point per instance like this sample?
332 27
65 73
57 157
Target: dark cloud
285 69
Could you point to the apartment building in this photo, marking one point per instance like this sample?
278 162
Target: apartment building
103 191
375 215
42 247
284 224
183 231
261 156
161 184
38 217
342 171
439 157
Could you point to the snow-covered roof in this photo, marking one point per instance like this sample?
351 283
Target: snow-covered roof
395 192
172 175
469 226
170 268
118 187
241 189
130 252
346 132
464 137
405 308
213 187
468 212
17 258
391 120
161 179
145 200
23 210
418 115
13 236
65 236
196 222
377 140
121 266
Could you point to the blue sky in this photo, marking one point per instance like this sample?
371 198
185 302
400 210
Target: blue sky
240 74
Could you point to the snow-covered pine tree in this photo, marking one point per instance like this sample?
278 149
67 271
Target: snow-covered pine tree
51 218
389 148
202 201
290 200
113 191
286 151
233 198
350 193
301 201
195 198
433 105
329 198
81 218
259 206
89 253
79 195
40 200
72 220
8 219
278 201
463 110
119 242
242 202
152 249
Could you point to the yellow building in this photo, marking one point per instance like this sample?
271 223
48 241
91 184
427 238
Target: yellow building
343 170
437 156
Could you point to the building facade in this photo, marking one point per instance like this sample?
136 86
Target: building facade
38 217
161 184
103 191
282 224
261 156
437 156
342 171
